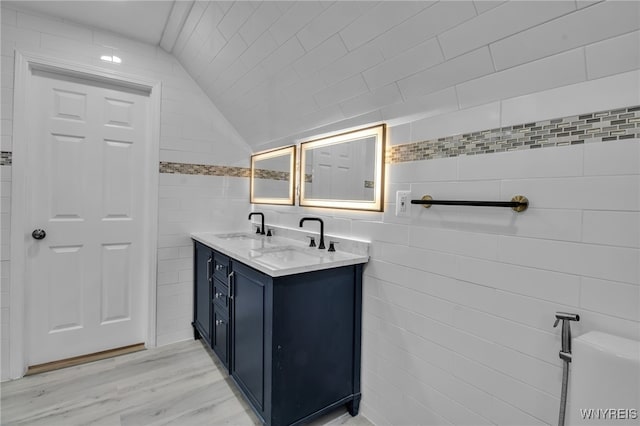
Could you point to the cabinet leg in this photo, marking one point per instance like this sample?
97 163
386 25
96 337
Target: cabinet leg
353 406
196 334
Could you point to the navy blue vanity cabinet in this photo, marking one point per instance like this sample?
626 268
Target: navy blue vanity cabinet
291 343
295 344
203 258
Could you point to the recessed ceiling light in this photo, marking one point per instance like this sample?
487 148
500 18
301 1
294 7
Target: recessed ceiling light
108 58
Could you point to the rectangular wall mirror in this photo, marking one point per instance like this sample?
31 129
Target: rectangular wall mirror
273 176
344 171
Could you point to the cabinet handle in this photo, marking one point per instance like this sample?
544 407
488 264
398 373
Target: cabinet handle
209 269
230 284
219 295
219 322
219 267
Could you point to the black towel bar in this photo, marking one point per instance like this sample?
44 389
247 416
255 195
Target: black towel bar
519 203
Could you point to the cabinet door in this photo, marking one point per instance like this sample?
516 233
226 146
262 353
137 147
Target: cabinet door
247 365
202 291
220 338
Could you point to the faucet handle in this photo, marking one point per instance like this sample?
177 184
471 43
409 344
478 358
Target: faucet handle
269 233
258 230
312 242
331 245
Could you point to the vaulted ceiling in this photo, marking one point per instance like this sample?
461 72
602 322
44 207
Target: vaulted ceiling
281 69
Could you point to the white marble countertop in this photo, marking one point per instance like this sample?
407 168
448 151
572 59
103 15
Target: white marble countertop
277 256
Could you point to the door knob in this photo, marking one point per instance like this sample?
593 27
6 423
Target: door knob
38 234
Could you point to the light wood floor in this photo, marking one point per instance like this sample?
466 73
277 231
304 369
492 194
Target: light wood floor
180 384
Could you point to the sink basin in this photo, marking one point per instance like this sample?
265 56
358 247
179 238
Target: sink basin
285 257
239 236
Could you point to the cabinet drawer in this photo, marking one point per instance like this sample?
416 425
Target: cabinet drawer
220 266
220 293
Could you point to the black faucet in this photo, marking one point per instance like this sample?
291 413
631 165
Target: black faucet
321 245
260 228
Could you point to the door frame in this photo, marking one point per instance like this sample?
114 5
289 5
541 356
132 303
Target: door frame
25 62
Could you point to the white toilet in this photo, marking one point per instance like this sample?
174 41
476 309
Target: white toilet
604 381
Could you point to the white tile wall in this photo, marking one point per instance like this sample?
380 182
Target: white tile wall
193 130
5 264
554 71
187 204
459 303
602 59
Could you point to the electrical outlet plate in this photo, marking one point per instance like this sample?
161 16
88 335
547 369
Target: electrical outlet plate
403 202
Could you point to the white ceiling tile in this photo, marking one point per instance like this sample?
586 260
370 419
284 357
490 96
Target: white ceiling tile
605 58
227 56
340 91
245 85
320 56
502 21
307 86
418 58
294 19
332 20
322 117
454 71
175 22
432 104
371 101
283 56
268 87
584 3
259 50
213 45
207 24
485 5
374 22
423 26
589 25
260 21
230 76
234 18
554 71
193 18
354 62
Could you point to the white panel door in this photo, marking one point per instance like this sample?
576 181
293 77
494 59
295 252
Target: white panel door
336 172
84 278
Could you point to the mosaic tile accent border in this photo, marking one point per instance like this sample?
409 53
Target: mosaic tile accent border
271 174
5 158
203 169
603 126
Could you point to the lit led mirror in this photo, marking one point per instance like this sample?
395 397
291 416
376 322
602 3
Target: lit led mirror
344 171
273 176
